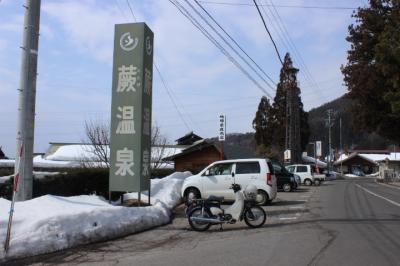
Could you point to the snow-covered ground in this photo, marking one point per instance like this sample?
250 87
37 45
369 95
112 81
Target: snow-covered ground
50 223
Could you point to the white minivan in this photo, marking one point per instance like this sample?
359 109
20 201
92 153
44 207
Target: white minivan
217 178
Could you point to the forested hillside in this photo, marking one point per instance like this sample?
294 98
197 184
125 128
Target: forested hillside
351 137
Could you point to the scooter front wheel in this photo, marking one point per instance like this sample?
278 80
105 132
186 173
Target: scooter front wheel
199 225
255 216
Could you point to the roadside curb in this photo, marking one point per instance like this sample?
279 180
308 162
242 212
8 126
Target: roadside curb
393 184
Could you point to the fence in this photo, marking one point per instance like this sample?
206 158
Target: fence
390 175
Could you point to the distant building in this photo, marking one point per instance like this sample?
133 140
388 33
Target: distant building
369 162
2 155
195 157
356 163
188 139
203 152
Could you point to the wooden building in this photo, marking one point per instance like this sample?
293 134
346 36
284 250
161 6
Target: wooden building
355 162
197 156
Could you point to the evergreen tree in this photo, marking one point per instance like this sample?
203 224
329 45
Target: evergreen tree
372 73
260 123
288 81
273 140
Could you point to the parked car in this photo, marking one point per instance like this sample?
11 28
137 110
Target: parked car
355 170
216 179
297 178
306 173
285 180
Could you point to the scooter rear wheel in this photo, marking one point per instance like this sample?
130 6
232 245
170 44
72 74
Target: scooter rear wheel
199 226
255 216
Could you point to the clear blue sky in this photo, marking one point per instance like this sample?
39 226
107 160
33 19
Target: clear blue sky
75 62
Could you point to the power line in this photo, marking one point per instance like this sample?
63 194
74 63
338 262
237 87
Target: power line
172 100
233 40
229 45
307 74
270 36
283 6
162 80
130 8
120 9
198 25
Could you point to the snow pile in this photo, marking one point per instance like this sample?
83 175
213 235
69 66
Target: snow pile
50 223
75 153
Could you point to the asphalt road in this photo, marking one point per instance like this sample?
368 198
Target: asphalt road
342 222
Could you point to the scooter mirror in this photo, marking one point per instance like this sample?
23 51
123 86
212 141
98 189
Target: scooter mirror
233 174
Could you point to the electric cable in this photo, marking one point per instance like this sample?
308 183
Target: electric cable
270 36
284 6
233 40
163 81
198 25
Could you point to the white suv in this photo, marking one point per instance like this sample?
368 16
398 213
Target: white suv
216 179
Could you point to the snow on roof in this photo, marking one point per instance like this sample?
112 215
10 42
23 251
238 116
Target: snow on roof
74 153
79 153
7 162
309 159
72 156
366 157
371 157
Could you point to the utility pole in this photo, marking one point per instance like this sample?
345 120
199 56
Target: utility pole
341 147
27 98
292 138
329 124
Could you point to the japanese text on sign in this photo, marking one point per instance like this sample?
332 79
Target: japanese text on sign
222 127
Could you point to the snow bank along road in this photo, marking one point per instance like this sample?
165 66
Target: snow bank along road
51 223
339 223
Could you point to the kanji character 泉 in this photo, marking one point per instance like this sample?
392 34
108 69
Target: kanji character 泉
124 162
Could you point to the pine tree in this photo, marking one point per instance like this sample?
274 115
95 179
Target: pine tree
288 81
275 121
260 123
372 73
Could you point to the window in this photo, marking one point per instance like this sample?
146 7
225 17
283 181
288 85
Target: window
301 169
221 169
277 167
248 168
290 169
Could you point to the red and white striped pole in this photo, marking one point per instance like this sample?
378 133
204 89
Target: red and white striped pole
15 189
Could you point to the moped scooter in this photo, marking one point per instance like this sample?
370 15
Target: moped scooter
202 213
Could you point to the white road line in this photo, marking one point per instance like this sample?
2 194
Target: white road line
379 196
386 185
288 218
296 207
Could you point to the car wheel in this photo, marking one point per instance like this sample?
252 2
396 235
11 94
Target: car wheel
317 182
192 193
262 198
307 182
287 187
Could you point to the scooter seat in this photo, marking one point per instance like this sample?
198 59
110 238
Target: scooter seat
215 198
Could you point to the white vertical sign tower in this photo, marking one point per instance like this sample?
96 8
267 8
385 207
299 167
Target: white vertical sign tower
222 133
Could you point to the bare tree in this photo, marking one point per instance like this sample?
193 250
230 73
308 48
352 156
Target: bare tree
158 142
98 136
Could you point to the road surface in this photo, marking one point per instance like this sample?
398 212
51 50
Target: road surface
342 222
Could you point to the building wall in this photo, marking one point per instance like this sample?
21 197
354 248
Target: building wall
390 166
197 160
